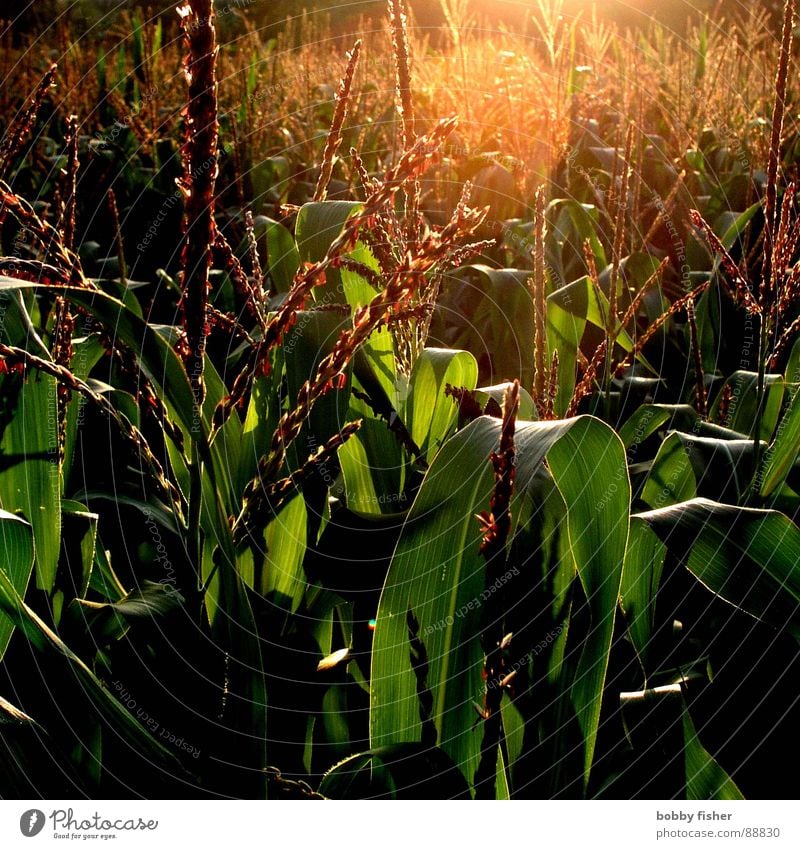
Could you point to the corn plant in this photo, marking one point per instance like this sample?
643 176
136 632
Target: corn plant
422 468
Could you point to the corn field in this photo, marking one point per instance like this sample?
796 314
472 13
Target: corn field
389 412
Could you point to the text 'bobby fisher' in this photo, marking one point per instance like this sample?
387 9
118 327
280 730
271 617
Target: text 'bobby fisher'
687 817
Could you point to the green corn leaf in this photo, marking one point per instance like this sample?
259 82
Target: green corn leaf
438 573
644 562
493 395
782 452
429 414
746 556
155 355
318 224
573 223
568 311
373 466
108 621
277 251
87 352
16 562
103 703
687 465
705 778
283 580
489 312
399 771
30 478
741 409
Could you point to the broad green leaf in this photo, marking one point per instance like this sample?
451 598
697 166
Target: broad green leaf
568 310
573 224
270 179
646 421
748 557
373 467
156 357
261 418
671 478
375 361
494 395
227 446
585 463
687 465
277 251
438 573
309 341
782 452
103 703
510 308
16 561
736 229
399 771
582 300
500 319
634 271
283 578
318 224
30 477
87 352
430 414
649 419
793 364
644 561
30 473
104 580
741 408
705 778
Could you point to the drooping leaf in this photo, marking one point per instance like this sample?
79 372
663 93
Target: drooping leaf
399 771
644 561
30 477
490 399
429 414
746 556
16 561
705 778
741 408
159 362
687 465
782 452
110 620
105 704
438 572
568 311
649 419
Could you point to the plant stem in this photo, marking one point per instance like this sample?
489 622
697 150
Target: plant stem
193 546
755 484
